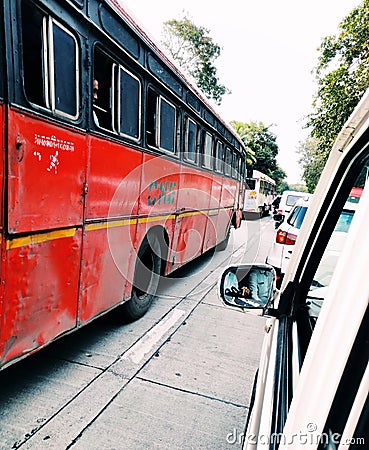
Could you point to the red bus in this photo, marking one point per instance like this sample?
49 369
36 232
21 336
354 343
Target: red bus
114 169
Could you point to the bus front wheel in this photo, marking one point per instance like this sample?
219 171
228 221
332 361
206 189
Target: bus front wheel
146 279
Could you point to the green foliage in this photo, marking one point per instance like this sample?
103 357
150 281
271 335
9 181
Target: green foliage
195 52
298 187
242 129
343 76
312 161
283 186
262 149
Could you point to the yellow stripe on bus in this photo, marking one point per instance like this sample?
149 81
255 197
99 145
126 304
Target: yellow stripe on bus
113 224
59 234
121 223
39 238
156 218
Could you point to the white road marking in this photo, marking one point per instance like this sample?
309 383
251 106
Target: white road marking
137 353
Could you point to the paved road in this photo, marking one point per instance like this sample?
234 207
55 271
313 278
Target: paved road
179 378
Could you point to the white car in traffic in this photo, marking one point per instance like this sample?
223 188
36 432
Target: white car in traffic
287 233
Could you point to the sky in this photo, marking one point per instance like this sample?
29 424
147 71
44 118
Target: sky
268 52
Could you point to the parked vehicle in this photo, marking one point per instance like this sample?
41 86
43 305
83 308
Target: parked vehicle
311 389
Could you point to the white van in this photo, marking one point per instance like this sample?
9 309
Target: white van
288 200
311 389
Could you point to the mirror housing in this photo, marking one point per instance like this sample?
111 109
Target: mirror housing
248 286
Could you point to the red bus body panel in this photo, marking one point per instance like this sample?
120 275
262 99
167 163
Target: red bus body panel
213 234
193 204
114 172
158 203
41 291
46 172
2 134
2 244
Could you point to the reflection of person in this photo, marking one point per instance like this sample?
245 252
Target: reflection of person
260 283
231 288
237 295
95 91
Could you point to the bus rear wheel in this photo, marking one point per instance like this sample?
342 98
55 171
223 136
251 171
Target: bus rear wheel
146 279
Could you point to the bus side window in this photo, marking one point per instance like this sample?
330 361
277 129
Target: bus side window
228 161
102 103
151 117
32 54
168 124
236 166
207 150
262 186
48 81
128 109
65 75
219 157
191 137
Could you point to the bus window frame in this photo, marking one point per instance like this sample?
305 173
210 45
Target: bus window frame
219 162
186 130
113 65
235 165
116 101
240 167
48 65
227 165
161 98
2 56
207 156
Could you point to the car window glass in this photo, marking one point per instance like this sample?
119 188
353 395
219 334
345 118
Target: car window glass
292 218
300 217
327 264
344 221
292 199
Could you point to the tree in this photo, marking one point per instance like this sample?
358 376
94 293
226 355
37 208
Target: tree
242 129
298 187
261 143
195 52
312 161
342 74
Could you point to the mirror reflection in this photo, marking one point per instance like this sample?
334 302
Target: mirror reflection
248 286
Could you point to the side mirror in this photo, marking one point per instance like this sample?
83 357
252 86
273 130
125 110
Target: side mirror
250 286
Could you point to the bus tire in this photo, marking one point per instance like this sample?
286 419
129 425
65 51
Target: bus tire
146 279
